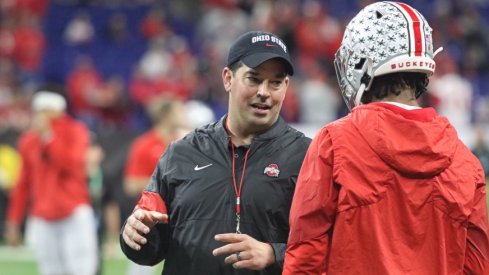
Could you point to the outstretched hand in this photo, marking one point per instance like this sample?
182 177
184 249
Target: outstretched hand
139 224
244 251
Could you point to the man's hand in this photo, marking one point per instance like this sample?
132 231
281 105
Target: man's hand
139 224
12 234
41 122
244 251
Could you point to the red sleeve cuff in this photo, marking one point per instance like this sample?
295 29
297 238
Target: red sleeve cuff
151 201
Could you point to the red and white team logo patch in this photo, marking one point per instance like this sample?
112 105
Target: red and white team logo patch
272 170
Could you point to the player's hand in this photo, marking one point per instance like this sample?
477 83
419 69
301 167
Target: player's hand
41 123
139 224
13 236
244 251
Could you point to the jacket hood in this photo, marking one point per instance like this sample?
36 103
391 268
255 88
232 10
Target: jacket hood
417 143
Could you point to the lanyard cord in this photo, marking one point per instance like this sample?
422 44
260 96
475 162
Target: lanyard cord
237 190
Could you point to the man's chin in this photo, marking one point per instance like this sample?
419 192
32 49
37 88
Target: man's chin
263 123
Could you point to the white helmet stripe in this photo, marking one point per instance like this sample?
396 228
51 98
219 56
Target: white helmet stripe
416 39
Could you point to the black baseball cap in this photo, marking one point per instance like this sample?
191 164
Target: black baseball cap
256 47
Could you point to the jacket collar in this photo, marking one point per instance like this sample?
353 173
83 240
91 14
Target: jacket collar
277 129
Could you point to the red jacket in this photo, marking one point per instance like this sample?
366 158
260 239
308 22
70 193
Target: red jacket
389 191
53 178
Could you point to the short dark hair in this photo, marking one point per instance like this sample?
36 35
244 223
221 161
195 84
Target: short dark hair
235 66
394 83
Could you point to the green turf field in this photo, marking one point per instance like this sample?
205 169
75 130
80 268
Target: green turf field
20 261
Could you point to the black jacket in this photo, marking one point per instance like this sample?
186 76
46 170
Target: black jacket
201 201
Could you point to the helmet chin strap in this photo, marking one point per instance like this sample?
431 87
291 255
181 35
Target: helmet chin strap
366 81
359 94
437 51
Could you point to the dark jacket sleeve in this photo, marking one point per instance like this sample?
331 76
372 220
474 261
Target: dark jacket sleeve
279 251
154 251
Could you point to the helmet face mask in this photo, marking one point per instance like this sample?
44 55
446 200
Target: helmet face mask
383 38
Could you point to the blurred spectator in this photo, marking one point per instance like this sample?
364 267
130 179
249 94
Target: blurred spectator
79 30
53 182
319 101
7 37
184 67
115 143
279 17
83 88
9 167
29 51
221 22
454 96
9 172
14 109
318 34
187 11
481 149
117 27
7 85
94 156
474 38
35 8
198 114
157 60
111 103
167 69
153 24
209 86
481 110
290 111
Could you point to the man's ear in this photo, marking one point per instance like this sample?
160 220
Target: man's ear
287 81
227 77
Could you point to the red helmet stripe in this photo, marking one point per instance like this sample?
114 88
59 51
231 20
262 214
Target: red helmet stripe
416 25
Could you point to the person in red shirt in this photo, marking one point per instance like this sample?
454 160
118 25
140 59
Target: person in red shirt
35 8
53 189
167 116
390 188
30 44
84 89
153 24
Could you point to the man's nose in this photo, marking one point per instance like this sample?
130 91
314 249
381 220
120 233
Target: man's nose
264 89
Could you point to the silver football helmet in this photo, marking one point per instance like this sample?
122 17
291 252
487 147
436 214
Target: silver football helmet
384 37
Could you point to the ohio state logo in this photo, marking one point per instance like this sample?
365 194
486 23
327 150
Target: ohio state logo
272 170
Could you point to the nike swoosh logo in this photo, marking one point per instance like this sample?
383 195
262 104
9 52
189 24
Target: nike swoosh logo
269 45
197 167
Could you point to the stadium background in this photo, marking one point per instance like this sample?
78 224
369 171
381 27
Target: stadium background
111 57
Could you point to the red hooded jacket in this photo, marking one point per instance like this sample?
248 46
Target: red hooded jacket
53 179
387 190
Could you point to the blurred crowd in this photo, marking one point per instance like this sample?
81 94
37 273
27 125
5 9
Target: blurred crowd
111 58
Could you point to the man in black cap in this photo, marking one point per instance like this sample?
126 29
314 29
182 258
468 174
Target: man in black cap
218 201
